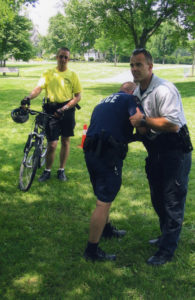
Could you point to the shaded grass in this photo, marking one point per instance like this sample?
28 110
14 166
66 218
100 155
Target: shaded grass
44 231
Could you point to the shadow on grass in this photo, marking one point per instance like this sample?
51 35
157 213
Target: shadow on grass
106 89
186 89
20 76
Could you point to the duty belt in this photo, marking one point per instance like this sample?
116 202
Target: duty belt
103 146
169 141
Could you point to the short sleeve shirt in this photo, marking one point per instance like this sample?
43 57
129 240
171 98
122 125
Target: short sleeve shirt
162 99
60 86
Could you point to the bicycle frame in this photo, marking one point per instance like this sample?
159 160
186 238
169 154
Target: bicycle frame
34 151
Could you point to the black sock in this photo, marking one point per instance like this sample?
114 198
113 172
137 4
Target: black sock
91 247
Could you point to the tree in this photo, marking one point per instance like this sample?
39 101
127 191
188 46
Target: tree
113 47
57 36
15 39
84 27
166 40
139 19
14 32
191 48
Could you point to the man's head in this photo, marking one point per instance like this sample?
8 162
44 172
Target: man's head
62 57
128 87
141 64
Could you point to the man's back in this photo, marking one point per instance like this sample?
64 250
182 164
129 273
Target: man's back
111 115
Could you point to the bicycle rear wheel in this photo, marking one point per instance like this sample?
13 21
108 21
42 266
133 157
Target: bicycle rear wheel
29 166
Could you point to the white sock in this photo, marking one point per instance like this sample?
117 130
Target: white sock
48 170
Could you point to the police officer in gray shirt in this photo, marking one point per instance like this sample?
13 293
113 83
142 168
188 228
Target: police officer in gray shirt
169 151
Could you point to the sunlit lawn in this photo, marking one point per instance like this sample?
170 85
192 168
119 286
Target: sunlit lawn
44 231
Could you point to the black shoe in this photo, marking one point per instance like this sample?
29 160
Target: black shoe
111 231
159 258
45 176
155 242
99 255
61 175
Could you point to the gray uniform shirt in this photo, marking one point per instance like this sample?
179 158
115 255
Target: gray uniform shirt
162 99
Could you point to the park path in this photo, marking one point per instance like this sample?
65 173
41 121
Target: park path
127 76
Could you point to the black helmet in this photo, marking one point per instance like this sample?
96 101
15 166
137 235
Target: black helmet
19 115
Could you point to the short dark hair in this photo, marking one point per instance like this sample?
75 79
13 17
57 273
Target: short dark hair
63 49
145 52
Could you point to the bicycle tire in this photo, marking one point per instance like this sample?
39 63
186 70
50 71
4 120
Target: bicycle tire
29 166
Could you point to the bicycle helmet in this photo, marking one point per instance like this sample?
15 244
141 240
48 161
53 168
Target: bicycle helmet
19 115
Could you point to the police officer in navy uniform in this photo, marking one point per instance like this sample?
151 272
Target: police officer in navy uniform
169 151
105 148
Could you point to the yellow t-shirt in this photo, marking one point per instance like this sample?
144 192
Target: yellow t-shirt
60 86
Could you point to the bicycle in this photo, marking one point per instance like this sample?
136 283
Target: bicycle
36 146
34 151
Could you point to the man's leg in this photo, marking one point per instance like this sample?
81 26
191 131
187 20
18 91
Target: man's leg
50 156
98 221
153 170
176 168
64 152
110 231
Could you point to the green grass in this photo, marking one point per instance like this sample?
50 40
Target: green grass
45 230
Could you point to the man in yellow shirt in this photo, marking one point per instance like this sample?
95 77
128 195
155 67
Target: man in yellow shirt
63 89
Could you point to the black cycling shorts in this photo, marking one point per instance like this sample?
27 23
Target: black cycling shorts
106 180
64 127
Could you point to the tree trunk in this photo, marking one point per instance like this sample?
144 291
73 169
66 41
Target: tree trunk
193 65
115 55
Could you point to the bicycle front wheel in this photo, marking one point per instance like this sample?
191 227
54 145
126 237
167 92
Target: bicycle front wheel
29 166
43 153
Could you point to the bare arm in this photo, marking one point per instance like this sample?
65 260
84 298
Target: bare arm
72 102
35 92
161 124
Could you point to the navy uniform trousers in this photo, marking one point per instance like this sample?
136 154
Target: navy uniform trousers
167 173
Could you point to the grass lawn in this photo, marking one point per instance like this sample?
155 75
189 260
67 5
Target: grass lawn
44 231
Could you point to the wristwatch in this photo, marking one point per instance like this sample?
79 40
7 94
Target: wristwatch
143 122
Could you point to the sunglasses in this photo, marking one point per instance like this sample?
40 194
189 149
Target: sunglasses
63 56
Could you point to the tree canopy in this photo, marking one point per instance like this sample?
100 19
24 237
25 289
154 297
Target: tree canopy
14 31
138 19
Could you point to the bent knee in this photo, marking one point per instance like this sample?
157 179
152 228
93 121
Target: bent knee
103 204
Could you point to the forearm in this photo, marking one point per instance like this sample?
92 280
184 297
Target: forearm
73 101
161 124
37 90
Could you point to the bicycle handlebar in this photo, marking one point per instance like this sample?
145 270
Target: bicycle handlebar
35 112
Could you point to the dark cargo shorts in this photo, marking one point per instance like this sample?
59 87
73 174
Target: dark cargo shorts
106 180
64 127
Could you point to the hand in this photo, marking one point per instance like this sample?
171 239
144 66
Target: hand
58 114
25 102
136 118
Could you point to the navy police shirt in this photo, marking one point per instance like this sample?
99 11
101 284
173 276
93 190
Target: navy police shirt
112 114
